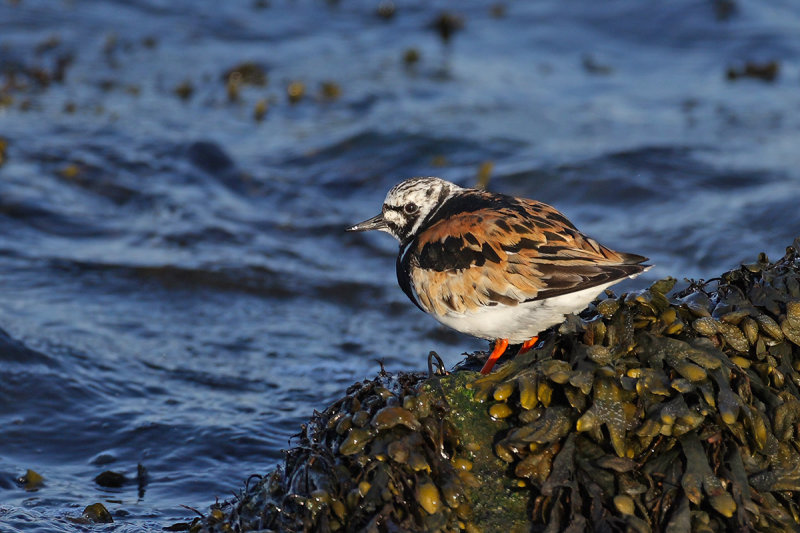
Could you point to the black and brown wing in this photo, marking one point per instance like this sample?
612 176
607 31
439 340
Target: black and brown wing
510 252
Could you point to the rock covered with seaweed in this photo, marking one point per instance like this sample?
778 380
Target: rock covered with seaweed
652 411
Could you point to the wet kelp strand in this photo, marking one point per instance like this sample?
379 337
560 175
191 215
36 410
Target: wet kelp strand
652 411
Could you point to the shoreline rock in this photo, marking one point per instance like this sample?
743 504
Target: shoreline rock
651 411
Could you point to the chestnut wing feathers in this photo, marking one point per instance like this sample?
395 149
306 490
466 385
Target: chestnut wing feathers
521 251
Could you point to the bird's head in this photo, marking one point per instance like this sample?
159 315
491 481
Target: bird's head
407 206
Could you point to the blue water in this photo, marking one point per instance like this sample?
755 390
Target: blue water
176 289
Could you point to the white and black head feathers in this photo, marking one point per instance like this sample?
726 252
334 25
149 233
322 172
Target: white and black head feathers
408 205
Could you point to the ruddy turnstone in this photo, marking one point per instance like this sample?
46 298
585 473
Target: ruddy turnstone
494 266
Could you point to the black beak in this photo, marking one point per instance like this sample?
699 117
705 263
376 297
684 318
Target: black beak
375 222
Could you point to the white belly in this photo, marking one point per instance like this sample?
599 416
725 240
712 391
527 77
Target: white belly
521 322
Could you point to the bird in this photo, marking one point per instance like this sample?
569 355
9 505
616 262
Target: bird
494 266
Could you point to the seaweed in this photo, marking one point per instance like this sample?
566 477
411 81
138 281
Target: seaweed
651 411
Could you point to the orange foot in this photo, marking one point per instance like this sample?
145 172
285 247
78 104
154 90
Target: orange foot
527 345
500 346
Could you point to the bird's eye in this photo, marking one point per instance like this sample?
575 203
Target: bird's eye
410 208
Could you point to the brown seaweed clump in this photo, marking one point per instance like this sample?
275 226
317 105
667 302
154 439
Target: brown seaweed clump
650 411
383 454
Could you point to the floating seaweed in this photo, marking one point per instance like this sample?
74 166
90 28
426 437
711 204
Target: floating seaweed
330 90
184 90
96 514
32 480
652 411
260 109
446 25
295 91
109 478
386 10
767 71
411 57
247 73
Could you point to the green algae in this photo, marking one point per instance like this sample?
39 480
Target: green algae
496 500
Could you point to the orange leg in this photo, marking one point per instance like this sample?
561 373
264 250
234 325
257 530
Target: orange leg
500 346
528 344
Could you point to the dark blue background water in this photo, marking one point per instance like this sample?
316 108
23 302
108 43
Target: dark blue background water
176 289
